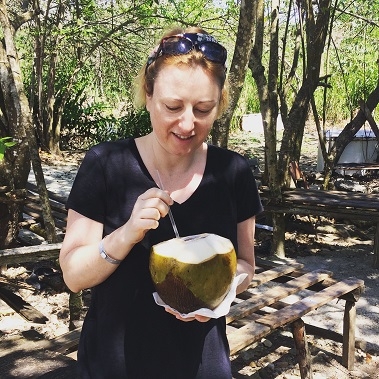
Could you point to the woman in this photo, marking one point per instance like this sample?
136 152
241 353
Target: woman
117 212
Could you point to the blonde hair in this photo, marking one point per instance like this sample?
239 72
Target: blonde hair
144 82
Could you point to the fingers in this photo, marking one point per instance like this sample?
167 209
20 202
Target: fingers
187 319
154 203
156 198
178 315
149 208
202 318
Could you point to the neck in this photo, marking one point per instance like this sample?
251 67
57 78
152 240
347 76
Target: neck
179 175
174 165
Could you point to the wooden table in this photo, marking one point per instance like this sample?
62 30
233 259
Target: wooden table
334 204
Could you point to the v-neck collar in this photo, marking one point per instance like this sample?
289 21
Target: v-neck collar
148 175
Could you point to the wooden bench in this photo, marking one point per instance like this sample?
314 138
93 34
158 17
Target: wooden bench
254 314
262 309
35 249
333 204
32 211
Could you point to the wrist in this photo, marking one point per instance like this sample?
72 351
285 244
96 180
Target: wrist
103 254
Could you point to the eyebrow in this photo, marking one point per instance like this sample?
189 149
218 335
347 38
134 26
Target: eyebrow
199 102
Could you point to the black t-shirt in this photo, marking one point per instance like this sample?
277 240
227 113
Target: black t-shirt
125 334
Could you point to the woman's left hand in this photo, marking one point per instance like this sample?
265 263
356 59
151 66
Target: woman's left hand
186 319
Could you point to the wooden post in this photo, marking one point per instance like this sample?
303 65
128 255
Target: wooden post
375 129
75 306
376 247
301 344
348 347
366 110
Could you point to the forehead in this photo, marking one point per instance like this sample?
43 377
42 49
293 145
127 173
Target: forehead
178 80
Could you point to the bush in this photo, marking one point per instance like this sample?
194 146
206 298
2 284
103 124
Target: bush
88 126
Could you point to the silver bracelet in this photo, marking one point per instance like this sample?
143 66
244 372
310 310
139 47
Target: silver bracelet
103 254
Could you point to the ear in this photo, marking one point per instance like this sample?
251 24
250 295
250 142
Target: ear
148 102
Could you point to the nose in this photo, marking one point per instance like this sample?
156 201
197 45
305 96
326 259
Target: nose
187 120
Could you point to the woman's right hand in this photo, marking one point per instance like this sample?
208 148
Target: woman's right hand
149 208
80 261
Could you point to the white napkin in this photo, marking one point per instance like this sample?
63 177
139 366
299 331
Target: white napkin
221 310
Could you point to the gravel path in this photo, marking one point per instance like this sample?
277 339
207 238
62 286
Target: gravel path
59 175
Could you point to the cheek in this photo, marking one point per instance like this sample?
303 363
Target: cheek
209 121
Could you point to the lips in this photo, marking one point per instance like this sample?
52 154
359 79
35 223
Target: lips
182 137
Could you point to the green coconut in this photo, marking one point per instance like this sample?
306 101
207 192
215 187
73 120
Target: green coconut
193 272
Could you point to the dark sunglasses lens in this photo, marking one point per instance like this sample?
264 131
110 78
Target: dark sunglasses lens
213 51
176 45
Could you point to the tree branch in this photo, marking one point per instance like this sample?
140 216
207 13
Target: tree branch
370 22
21 19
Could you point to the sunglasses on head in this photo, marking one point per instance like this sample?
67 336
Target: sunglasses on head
181 44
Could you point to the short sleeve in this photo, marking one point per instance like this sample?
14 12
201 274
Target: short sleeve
248 199
88 192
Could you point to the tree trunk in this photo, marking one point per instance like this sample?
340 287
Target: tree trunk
10 202
48 123
15 167
294 121
278 235
267 92
36 94
24 118
316 32
237 73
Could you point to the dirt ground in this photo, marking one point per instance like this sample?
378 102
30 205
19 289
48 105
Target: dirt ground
319 243
334 245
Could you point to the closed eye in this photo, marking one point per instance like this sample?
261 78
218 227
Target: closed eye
204 111
173 108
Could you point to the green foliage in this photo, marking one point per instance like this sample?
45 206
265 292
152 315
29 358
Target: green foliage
109 41
352 62
249 100
5 143
134 124
88 124
93 50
